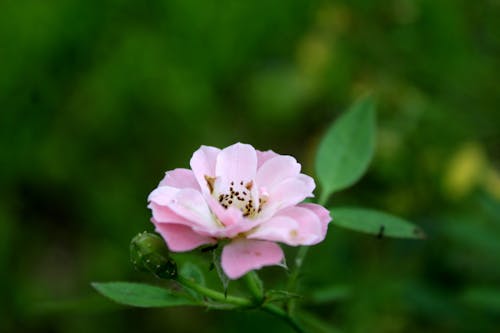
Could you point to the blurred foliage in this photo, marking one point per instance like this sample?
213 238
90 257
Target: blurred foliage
98 99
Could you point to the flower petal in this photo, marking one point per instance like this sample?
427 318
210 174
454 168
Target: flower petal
263 156
275 170
322 213
237 163
163 214
243 226
243 255
180 178
289 192
181 238
293 226
188 204
203 164
163 195
227 217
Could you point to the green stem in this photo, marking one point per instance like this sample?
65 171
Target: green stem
299 261
242 302
213 294
292 283
255 286
279 312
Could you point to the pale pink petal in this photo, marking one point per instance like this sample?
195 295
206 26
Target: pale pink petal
187 203
322 213
227 216
181 238
263 156
203 164
180 178
158 201
163 214
237 163
163 195
243 255
277 229
293 226
275 170
289 192
243 226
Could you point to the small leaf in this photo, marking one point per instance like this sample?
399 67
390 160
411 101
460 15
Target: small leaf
374 222
141 295
347 148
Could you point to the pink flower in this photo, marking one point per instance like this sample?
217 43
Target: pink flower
249 197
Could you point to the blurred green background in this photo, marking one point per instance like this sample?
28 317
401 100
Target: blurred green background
99 98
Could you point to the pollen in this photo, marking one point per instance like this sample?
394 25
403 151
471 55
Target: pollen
239 195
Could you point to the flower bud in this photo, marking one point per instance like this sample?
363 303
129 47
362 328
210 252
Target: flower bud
148 253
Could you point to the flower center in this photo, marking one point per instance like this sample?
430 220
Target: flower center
238 194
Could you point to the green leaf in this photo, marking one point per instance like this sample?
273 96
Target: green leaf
141 295
374 222
347 148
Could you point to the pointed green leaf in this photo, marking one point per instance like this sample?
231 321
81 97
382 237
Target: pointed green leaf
374 222
347 148
141 295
